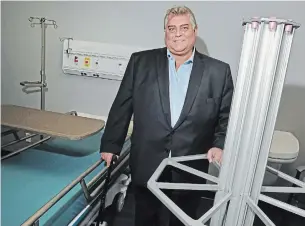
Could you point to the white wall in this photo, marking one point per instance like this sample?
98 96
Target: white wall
138 24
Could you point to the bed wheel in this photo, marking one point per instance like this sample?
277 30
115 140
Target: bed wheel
120 200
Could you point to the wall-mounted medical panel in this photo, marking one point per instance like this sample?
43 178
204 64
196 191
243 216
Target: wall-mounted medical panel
94 59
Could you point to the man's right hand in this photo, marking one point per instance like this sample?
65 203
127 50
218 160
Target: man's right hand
107 157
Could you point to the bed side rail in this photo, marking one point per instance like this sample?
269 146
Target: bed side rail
34 219
90 211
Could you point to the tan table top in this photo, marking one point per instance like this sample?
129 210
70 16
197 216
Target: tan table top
49 123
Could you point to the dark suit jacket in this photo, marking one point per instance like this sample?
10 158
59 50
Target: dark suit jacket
144 93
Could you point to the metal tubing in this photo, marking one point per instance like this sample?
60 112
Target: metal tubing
57 197
25 148
89 219
43 22
192 171
185 186
264 114
214 209
264 218
194 157
286 177
238 108
85 190
282 189
17 141
282 205
8 132
189 158
28 84
79 215
258 91
96 193
177 211
155 186
43 62
64 191
123 161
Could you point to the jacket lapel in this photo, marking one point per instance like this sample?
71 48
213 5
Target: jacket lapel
192 90
163 83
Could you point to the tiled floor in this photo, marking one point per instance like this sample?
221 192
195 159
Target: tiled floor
278 216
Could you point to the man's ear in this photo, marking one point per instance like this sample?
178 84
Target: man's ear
196 30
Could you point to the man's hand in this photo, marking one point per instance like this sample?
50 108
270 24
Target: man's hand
107 157
214 154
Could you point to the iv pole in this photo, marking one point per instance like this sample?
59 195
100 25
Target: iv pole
42 83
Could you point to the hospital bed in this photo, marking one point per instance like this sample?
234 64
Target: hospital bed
57 179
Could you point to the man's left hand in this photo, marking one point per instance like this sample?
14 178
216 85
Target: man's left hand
214 154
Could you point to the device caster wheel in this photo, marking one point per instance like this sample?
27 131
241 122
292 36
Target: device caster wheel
120 200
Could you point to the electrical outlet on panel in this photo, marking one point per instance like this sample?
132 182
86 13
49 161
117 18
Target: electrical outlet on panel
76 59
96 63
121 67
29 139
87 62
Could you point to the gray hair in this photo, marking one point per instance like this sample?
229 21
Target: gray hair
181 10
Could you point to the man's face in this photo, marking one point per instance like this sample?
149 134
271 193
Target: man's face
180 36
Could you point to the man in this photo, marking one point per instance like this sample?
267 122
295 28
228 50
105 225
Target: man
180 100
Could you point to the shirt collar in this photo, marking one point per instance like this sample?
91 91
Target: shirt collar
190 60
